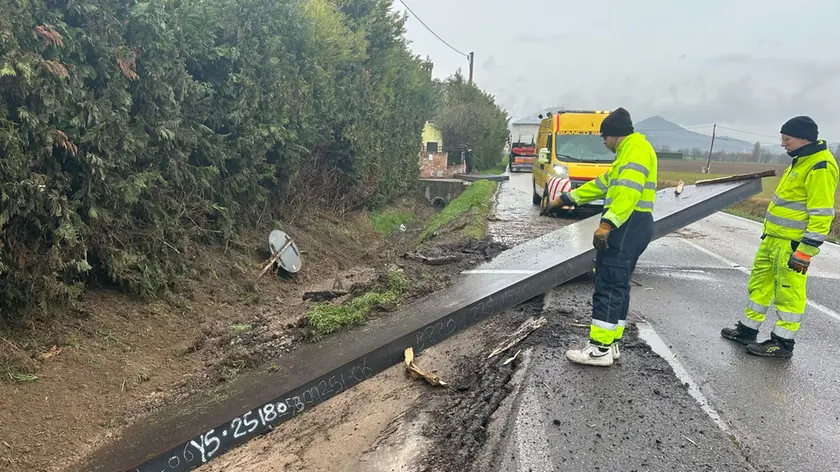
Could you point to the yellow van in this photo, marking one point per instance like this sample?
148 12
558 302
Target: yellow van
570 146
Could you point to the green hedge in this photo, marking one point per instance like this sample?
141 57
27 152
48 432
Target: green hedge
471 118
132 131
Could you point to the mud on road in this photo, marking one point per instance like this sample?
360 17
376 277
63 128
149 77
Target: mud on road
537 412
636 415
377 426
515 218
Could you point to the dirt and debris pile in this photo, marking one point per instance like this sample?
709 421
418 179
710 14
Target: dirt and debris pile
653 419
461 414
460 424
471 252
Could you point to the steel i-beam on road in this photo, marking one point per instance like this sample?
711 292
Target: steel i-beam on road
183 436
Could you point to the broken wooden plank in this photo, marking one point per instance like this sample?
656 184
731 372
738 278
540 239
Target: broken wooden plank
412 369
736 178
442 260
524 330
512 358
679 188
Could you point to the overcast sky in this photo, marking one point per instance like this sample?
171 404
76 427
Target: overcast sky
745 64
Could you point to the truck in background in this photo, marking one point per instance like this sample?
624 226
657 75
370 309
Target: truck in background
523 148
522 154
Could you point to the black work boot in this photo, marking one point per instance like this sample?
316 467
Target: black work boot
773 347
740 333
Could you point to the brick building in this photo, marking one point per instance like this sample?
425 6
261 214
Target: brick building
434 161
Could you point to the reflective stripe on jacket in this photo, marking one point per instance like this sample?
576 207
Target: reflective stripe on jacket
803 207
629 185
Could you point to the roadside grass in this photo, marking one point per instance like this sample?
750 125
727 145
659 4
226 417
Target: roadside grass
325 318
240 328
497 169
10 370
476 200
385 222
473 204
753 208
23 378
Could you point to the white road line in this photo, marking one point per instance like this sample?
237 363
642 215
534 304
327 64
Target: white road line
758 224
717 256
500 271
814 305
658 345
826 310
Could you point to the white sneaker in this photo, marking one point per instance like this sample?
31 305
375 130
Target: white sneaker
616 352
590 355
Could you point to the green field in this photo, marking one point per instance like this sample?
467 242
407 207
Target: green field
754 208
768 183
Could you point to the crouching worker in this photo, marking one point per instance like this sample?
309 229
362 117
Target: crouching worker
625 230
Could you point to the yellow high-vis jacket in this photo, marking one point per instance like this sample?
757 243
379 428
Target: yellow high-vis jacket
629 185
803 207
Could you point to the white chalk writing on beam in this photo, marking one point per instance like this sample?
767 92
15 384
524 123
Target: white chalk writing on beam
205 446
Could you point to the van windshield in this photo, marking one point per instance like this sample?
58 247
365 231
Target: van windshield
581 148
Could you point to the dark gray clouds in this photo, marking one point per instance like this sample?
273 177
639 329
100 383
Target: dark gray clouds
747 64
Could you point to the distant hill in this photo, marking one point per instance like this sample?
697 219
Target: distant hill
661 133
535 118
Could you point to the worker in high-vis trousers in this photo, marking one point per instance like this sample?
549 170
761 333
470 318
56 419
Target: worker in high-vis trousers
795 226
624 232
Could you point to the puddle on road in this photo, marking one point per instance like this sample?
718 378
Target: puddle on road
647 333
517 219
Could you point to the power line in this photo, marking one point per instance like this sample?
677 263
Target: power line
747 132
432 31
645 130
766 135
727 138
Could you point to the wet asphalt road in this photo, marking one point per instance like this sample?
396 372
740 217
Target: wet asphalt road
785 415
517 218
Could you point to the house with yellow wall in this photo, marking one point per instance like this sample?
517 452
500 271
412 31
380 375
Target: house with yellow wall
433 158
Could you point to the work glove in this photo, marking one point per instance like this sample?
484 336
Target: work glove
799 262
602 234
563 200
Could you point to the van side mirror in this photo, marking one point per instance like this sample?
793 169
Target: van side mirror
544 159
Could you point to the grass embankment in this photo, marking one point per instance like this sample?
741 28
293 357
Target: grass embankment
326 319
498 169
472 205
387 221
753 208
476 201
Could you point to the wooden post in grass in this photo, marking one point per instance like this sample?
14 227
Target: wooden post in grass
709 162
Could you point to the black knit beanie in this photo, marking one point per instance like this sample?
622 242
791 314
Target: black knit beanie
801 127
617 123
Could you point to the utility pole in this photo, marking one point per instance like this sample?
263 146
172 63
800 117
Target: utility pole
472 59
709 162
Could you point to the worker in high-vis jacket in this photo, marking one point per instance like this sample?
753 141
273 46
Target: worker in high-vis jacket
624 232
796 224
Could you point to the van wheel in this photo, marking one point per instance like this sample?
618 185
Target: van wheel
537 199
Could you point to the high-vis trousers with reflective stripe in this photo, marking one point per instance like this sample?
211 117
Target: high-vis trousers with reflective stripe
773 282
613 270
